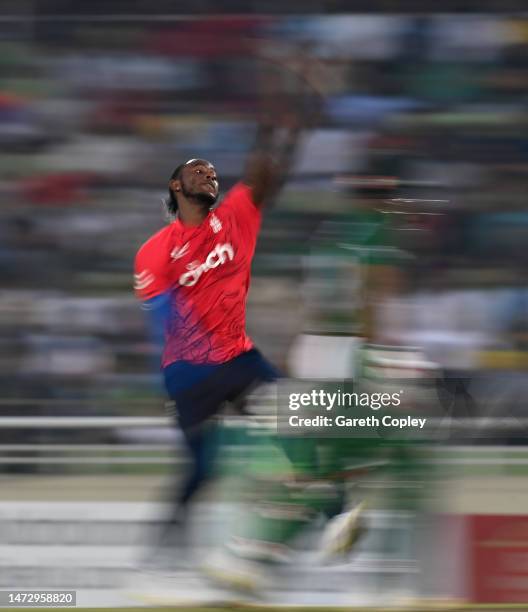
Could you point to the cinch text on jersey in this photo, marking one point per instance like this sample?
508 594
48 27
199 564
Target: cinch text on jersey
216 257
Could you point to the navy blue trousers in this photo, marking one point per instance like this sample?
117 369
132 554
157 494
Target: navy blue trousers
199 392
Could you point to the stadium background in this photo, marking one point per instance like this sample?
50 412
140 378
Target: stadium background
98 104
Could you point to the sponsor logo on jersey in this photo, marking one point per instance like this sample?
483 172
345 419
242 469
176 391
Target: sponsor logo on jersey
179 252
143 280
218 256
215 223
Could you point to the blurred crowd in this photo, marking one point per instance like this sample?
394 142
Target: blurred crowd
95 115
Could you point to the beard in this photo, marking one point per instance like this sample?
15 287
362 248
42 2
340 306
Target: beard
202 199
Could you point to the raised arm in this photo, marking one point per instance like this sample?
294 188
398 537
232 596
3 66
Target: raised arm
284 116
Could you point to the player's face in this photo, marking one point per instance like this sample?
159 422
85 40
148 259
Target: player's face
199 180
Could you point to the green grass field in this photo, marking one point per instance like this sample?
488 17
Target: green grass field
438 607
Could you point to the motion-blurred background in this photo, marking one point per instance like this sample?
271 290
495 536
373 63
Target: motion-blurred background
98 106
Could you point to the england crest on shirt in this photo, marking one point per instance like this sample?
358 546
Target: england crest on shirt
215 223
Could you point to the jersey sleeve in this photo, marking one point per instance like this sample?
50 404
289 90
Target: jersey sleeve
239 201
151 269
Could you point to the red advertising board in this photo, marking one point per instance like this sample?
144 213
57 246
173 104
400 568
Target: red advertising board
499 558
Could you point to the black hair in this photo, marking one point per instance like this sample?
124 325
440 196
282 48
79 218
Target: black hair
172 202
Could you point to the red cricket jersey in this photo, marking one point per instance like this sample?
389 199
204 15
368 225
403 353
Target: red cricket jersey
206 269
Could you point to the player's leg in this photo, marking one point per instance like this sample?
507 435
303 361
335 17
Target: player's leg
199 392
202 445
283 487
274 504
197 398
